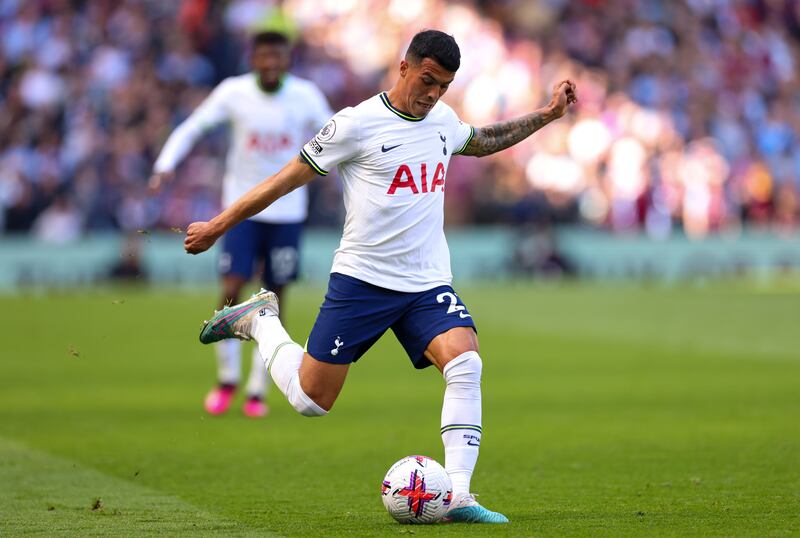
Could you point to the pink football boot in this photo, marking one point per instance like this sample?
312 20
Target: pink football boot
219 399
255 407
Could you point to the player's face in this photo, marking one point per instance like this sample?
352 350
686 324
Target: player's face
270 61
426 83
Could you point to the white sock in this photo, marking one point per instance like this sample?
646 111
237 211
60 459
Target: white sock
258 380
282 358
229 361
461 419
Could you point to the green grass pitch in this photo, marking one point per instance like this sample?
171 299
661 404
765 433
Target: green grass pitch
608 411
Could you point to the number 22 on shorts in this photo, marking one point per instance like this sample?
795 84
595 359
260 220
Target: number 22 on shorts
454 306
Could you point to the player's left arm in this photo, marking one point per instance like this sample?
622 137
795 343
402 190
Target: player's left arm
212 112
499 136
200 236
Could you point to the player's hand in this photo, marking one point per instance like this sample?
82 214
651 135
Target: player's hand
564 94
200 236
158 180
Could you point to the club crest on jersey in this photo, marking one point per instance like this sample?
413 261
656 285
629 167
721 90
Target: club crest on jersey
327 132
444 143
404 179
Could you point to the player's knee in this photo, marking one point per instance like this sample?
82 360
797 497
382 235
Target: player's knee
309 411
451 345
323 402
320 383
465 368
308 404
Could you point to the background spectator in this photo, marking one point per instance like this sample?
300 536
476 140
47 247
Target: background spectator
688 118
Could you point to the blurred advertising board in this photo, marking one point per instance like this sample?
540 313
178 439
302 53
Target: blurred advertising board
477 254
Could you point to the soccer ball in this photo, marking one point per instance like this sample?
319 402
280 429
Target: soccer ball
417 490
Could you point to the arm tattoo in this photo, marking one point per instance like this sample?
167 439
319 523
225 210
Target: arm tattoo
504 134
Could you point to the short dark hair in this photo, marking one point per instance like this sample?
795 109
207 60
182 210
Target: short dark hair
437 46
270 38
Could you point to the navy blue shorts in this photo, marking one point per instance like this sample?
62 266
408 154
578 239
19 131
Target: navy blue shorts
250 243
355 315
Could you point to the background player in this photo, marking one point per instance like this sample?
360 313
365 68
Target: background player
271 113
392 268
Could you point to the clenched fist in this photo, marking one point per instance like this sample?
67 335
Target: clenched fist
200 236
564 94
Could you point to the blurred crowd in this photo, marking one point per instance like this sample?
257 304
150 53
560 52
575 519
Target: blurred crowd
688 118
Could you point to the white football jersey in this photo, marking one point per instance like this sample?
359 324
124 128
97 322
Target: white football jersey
266 130
393 167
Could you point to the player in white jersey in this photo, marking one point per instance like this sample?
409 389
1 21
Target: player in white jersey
392 268
271 113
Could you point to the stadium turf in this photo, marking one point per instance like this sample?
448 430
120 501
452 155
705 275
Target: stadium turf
617 411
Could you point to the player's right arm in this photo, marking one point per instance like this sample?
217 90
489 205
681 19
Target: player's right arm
200 236
336 143
211 112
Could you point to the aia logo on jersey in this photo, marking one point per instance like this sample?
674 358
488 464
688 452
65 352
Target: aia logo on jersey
269 142
404 179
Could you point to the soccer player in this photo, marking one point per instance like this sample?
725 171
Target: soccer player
271 113
392 268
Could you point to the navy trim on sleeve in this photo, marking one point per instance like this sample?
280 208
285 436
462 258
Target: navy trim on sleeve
310 162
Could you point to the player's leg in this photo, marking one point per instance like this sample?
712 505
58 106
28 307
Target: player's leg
440 330
257 319
352 318
255 405
278 247
229 355
236 267
311 386
455 354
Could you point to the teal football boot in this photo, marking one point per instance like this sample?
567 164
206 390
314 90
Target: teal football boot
465 509
235 321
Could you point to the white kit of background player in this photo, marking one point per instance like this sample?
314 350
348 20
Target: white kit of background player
267 126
